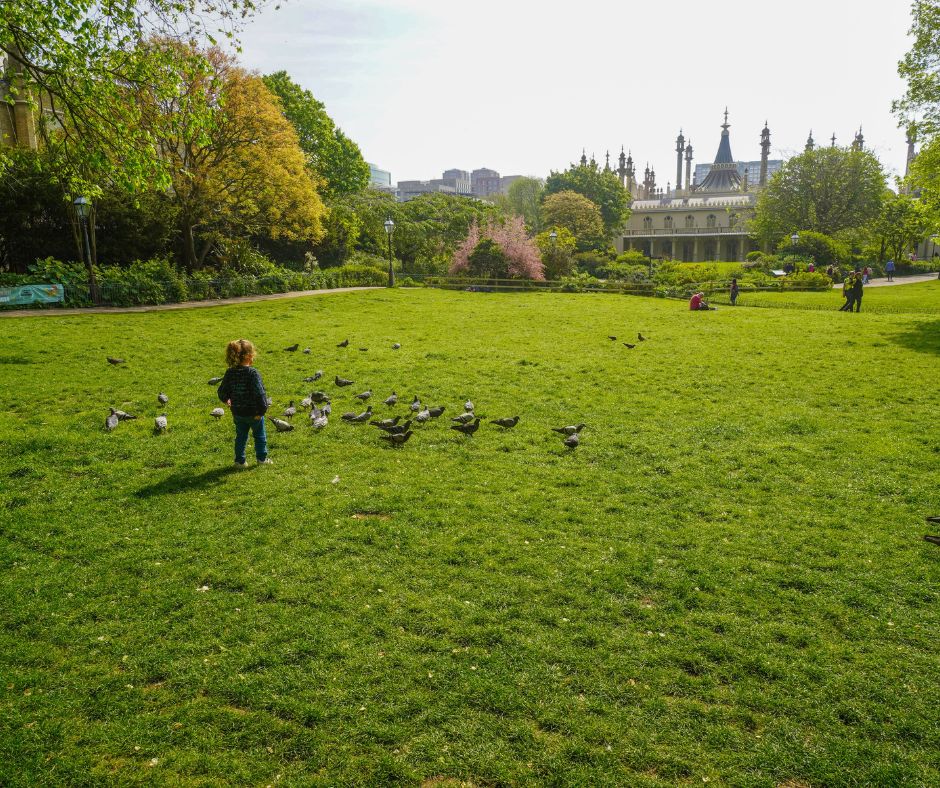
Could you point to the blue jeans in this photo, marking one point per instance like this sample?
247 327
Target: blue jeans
244 425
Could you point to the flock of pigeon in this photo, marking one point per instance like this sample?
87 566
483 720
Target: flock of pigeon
395 431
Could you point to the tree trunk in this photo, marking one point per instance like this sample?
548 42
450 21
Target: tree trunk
206 248
92 217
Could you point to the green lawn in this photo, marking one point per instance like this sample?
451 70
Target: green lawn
726 582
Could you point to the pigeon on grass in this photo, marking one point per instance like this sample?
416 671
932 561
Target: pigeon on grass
468 406
573 440
114 361
354 418
463 418
423 416
364 395
122 416
396 346
467 429
383 423
391 400
217 412
292 348
306 351
319 396
162 398
570 430
398 429
397 439
415 404
281 425
214 381
506 424
640 338
290 411
344 343
159 423
341 382
436 412
111 421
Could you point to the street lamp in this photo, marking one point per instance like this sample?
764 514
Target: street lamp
554 236
794 239
83 211
389 229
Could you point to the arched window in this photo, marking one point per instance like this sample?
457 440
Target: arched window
690 221
710 221
647 222
667 223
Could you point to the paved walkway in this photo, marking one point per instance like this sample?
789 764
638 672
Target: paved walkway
898 280
99 310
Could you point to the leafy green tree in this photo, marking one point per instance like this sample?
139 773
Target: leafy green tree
557 252
826 190
331 154
525 199
920 70
904 222
82 60
602 187
821 248
488 260
577 214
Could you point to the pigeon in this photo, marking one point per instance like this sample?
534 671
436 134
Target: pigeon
318 418
342 381
213 381
435 412
217 412
122 416
415 404
268 401
932 539
612 339
163 398
306 402
364 395
932 518
392 400
507 424
398 440
306 351
423 416
398 429
326 409
569 430
115 361
282 426
317 375
467 429
463 418
383 423
290 411
627 344
292 348
573 440
364 349
112 420
319 396
159 423
468 406
344 343
396 346
641 338
360 418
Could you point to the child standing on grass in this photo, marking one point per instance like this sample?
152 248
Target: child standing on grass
733 293
243 391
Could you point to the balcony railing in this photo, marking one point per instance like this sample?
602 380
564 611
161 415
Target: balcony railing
656 231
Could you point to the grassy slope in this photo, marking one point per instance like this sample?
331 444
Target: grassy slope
725 581
917 297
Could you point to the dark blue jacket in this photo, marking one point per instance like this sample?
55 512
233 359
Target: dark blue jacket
243 386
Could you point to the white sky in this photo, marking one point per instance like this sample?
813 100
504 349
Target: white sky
521 86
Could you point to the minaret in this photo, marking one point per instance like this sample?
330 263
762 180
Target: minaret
583 158
680 148
764 154
646 182
911 138
607 162
622 167
859 142
810 142
833 140
653 181
744 180
593 162
631 176
688 166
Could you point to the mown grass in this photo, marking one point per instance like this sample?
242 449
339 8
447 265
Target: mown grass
725 582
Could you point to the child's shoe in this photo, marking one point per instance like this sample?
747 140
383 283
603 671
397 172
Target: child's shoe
266 461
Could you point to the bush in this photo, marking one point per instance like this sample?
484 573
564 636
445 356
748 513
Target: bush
633 257
589 262
807 281
578 282
821 248
356 275
755 256
624 272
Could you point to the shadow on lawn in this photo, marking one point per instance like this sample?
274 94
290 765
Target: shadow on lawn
182 481
922 337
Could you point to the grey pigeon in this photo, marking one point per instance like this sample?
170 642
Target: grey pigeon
360 418
319 396
364 395
364 349
467 429
435 412
111 421
282 426
570 430
573 440
327 409
468 406
306 351
416 404
217 412
292 348
318 374
463 418
386 422
290 411
122 416
163 398
318 418
398 429
213 381
398 440
306 402
641 338
627 344
344 343
268 401
342 381
396 346
423 416
612 339
115 361
507 424
159 423
392 400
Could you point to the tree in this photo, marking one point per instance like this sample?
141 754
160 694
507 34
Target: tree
904 222
557 252
823 249
525 199
82 61
330 153
602 187
522 255
920 68
488 260
240 174
577 214
826 190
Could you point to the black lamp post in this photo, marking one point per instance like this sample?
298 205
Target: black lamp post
389 229
83 210
794 239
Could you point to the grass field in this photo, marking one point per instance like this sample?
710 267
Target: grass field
724 583
909 298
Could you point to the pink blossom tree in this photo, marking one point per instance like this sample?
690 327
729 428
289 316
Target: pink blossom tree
522 254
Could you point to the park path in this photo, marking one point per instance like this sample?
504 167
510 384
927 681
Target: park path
102 310
898 280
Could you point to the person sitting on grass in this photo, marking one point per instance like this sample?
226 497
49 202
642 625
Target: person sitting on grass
697 303
243 391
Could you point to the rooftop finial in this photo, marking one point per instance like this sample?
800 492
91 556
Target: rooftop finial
726 124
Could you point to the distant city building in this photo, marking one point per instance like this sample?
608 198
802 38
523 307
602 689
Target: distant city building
458 179
484 182
378 178
408 190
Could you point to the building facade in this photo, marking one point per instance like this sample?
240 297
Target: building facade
378 178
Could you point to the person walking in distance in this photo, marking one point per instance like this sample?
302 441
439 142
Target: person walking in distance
857 290
889 270
847 286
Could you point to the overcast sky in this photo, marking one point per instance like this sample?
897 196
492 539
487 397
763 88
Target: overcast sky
521 87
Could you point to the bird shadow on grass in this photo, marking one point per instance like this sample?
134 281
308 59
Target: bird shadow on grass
923 337
181 481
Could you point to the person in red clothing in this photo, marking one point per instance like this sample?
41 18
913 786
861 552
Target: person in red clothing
695 302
